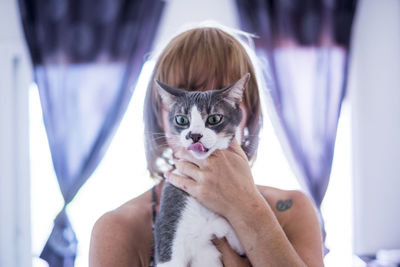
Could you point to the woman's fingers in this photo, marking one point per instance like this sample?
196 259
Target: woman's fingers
189 169
229 256
181 182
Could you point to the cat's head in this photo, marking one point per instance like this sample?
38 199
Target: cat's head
203 122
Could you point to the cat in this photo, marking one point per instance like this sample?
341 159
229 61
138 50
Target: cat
202 122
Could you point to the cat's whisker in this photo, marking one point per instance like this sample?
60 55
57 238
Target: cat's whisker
156 134
170 142
157 138
165 142
154 148
162 142
150 132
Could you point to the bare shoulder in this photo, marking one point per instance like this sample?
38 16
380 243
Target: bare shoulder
297 215
287 204
123 237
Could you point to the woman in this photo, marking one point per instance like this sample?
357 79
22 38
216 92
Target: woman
275 227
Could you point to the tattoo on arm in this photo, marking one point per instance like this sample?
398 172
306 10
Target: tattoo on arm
283 205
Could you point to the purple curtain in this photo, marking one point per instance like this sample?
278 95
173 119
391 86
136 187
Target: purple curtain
87 55
303 45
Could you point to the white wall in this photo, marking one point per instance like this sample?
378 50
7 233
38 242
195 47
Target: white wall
375 99
15 242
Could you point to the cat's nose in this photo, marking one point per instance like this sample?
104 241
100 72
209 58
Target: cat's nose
194 136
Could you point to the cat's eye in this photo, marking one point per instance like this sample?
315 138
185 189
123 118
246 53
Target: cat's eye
214 119
181 120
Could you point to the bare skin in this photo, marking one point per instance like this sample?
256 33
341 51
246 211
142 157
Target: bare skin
124 237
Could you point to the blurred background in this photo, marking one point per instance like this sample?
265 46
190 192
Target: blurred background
73 75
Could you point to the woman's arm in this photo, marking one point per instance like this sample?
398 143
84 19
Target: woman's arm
303 229
299 244
224 184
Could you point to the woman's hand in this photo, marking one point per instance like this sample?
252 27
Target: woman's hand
222 182
229 256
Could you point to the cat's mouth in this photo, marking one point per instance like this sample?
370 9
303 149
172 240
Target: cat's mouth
198 147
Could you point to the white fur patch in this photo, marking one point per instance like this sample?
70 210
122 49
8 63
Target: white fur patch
196 124
210 139
196 229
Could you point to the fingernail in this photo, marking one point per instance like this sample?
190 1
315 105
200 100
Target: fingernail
166 175
216 241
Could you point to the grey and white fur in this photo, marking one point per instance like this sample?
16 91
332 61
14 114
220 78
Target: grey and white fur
201 122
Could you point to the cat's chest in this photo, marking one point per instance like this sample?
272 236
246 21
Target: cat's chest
198 213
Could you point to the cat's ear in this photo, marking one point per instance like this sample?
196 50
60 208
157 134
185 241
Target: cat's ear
233 94
167 93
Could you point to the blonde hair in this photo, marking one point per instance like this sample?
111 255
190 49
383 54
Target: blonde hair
199 59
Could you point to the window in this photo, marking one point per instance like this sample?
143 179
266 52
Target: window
122 175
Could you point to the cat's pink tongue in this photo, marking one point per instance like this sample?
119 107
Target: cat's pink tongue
197 147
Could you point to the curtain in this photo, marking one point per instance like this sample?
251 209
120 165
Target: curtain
303 46
86 55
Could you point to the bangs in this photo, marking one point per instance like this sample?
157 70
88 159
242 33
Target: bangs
202 59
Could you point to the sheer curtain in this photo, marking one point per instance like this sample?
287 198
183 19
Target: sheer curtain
304 48
86 55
